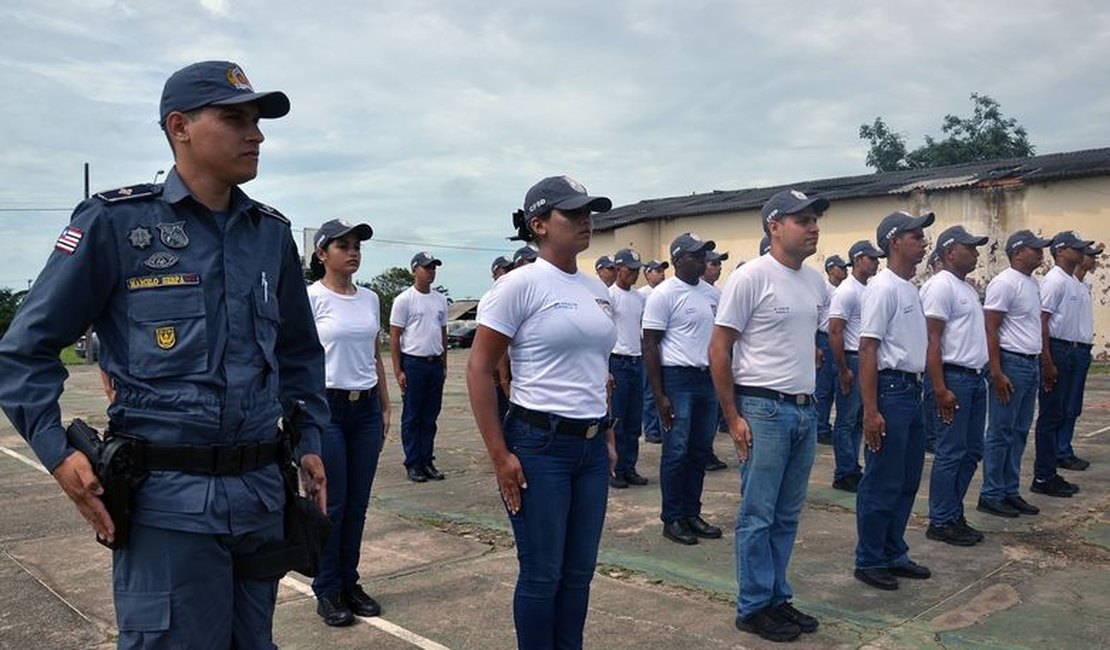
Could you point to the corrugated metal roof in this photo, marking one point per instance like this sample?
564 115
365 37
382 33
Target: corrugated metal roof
1049 167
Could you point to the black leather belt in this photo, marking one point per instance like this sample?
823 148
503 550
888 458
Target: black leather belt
626 357
911 376
566 426
1071 344
851 353
951 367
352 395
767 393
1031 357
430 357
216 460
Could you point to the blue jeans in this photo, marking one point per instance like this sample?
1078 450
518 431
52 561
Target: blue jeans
826 389
891 476
930 408
557 532
628 408
959 447
1074 408
653 430
421 403
349 446
1008 427
688 446
773 483
849 426
1053 419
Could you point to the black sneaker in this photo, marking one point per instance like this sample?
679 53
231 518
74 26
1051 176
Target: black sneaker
360 602
633 478
715 464
416 475
1023 506
911 570
950 533
1073 463
432 473
618 482
997 507
332 609
962 523
1055 487
768 624
805 622
679 531
849 483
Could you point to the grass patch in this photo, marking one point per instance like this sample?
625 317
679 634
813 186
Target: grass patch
70 358
1100 369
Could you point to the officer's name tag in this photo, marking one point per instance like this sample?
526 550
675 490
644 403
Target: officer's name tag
159 281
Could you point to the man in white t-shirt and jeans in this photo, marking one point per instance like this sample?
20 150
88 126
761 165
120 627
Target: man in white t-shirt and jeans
713 261
678 320
836 270
956 360
763 357
892 346
418 345
655 271
627 368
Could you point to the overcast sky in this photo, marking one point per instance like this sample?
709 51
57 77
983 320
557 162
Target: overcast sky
429 120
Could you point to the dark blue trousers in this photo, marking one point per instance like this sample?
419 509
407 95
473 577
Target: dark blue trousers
1053 419
628 408
688 446
421 404
1074 408
825 392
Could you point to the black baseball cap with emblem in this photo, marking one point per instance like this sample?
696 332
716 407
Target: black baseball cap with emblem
525 253
837 261
217 83
500 262
657 265
604 262
1025 238
561 193
1068 239
688 242
899 222
789 202
864 247
958 235
714 256
337 228
1094 250
425 259
628 258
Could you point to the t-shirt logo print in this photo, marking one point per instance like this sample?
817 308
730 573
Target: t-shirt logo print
605 307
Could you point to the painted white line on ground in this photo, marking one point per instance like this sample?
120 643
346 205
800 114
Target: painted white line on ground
25 460
376 621
1094 433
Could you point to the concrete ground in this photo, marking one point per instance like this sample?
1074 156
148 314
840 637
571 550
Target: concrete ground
440 558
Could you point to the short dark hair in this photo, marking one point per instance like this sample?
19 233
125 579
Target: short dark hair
192 116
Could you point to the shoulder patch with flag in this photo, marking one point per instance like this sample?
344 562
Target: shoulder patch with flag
68 240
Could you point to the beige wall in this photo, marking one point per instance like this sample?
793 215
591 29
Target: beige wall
1081 205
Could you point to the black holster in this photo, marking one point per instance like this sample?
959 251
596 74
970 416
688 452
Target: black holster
116 462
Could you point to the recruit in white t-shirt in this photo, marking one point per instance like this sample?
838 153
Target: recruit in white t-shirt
348 328
423 317
776 310
628 312
947 298
1086 325
1018 297
892 314
562 331
845 306
684 313
824 315
1060 297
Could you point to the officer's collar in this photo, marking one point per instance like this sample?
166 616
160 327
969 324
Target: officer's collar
176 191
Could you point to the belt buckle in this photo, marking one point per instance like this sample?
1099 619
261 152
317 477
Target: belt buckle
800 400
354 395
917 376
592 430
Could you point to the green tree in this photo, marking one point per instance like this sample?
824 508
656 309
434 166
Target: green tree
9 304
985 135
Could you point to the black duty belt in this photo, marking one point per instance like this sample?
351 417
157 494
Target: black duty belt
424 357
767 393
1071 344
216 460
851 353
626 357
910 376
566 426
951 367
1031 357
352 395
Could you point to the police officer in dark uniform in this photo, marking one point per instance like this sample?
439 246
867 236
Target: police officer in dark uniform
197 295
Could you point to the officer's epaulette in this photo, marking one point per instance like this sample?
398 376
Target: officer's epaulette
130 193
271 212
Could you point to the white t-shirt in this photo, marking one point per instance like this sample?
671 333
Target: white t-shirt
845 305
1060 297
684 313
423 316
776 310
1086 316
562 331
348 328
892 314
947 298
645 290
1016 295
628 312
824 314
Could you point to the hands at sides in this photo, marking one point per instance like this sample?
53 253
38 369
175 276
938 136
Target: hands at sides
874 430
314 481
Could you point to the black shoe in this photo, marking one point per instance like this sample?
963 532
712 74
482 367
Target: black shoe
997 507
878 578
1055 487
1073 463
805 622
849 483
930 447
618 482
416 475
976 534
679 531
911 570
768 624
333 611
703 529
950 533
360 603
715 464
432 473
1023 506
824 440
633 478
653 440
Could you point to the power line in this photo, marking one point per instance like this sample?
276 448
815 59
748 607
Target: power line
431 245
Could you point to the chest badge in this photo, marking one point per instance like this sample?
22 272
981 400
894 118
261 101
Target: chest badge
166 337
139 237
173 234
161 260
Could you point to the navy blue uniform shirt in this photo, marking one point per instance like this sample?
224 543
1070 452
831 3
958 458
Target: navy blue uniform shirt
205 329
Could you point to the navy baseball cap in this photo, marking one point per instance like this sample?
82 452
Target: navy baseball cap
864 247
688 242
1025 238
836 260
765 245
562 193
604 262
500 262
657 265
216 83
791 202
899 222
424 258
1068 239
337 228
526 253
958 235
628 258
714 256
1094 250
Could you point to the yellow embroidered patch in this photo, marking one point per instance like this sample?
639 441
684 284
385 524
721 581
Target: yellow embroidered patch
166 337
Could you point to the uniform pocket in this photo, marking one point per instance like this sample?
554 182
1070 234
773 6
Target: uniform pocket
168 333
759 408
267 320
145 611
527 439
